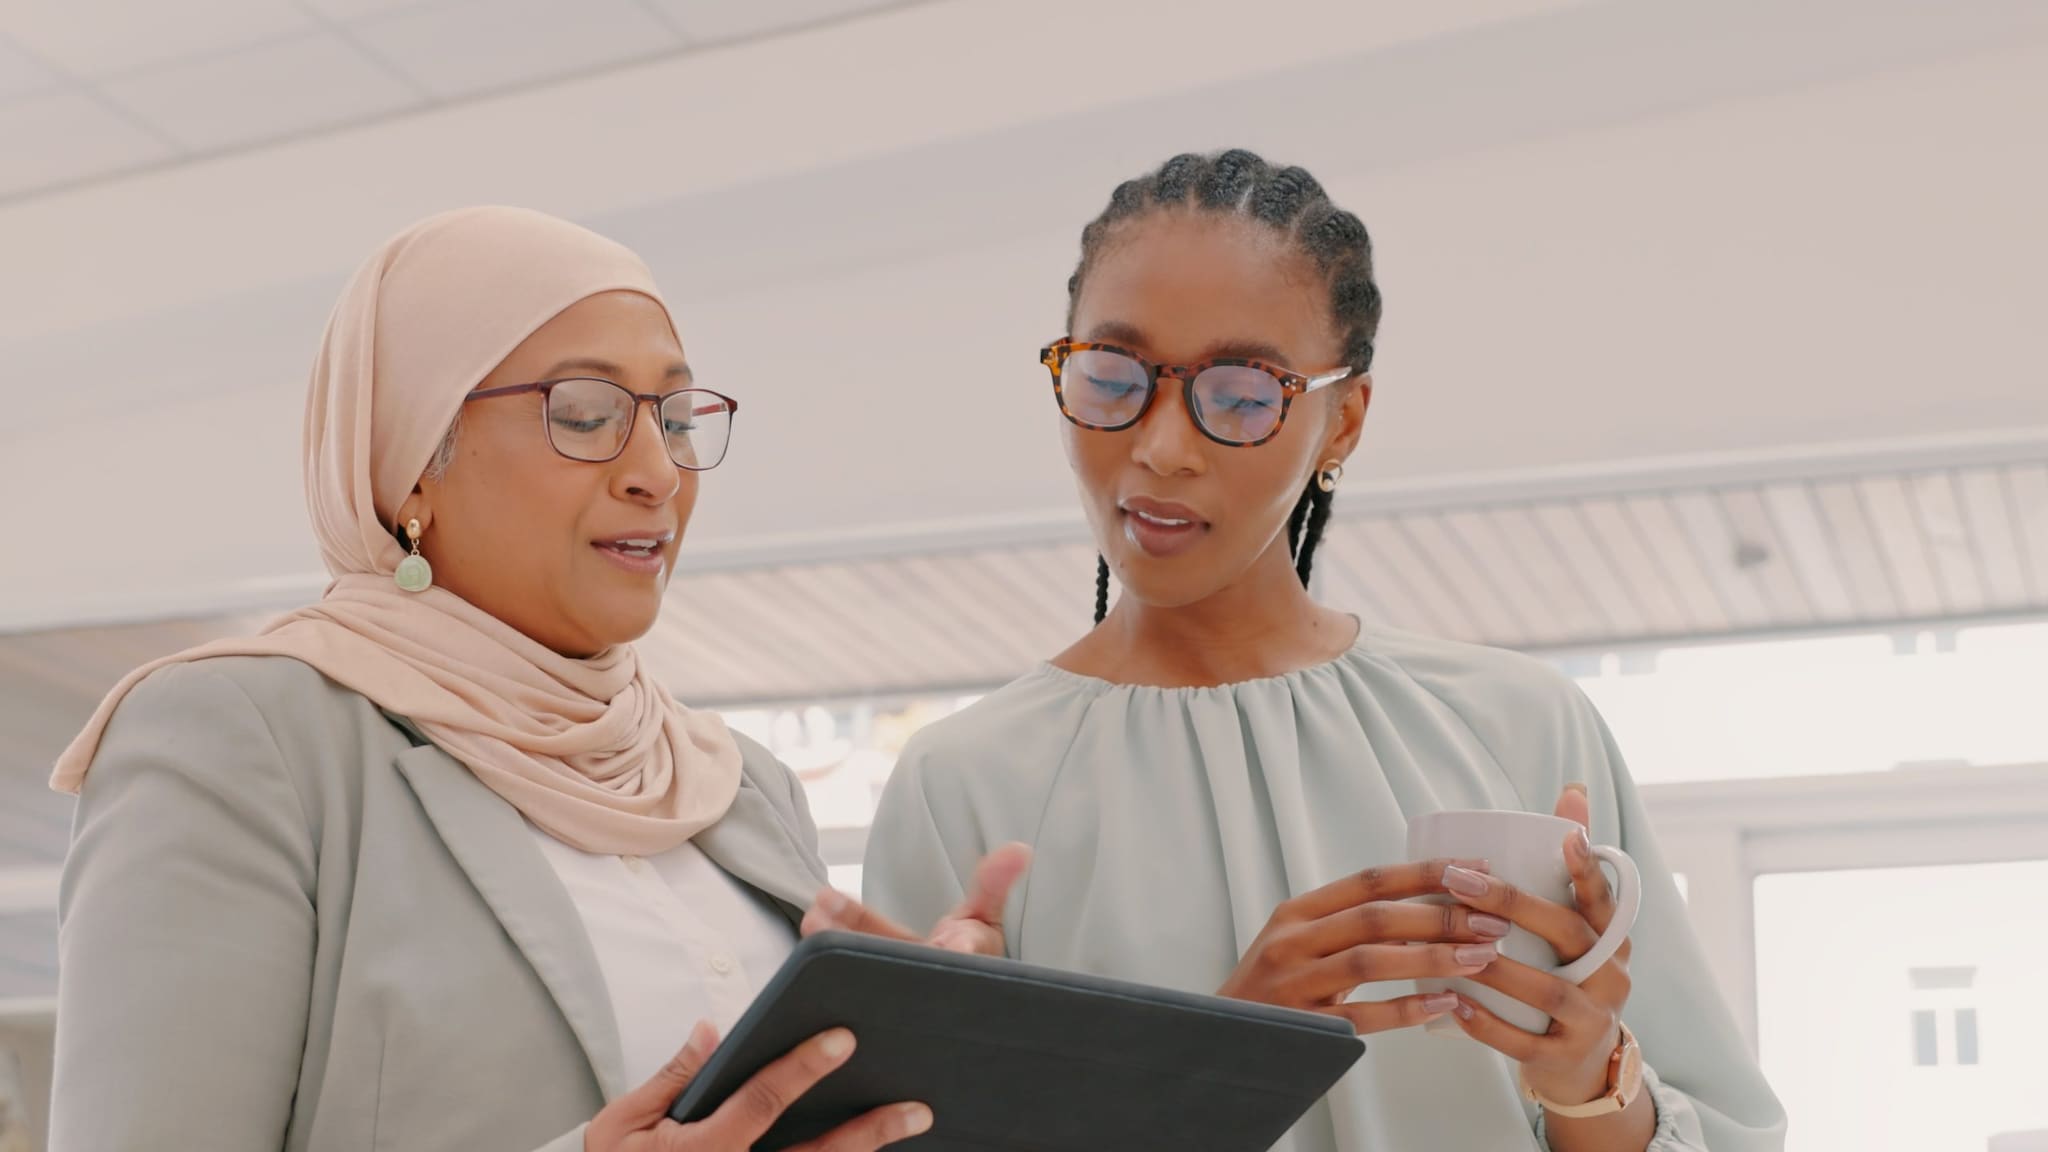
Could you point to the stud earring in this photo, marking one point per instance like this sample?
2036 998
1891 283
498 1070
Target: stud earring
1332 472
414 573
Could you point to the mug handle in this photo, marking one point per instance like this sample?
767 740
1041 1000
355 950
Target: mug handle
1628 900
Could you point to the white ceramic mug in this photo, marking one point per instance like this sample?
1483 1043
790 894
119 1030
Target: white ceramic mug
1525 849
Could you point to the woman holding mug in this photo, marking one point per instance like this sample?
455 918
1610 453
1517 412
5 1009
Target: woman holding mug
1218 779
434 864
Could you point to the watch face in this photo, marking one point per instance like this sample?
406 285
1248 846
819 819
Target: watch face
1628 1079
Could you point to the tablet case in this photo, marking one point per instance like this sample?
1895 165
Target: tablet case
1019 1057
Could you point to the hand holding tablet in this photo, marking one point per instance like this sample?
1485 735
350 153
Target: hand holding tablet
1008 1054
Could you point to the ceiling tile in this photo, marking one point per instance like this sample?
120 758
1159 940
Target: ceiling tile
958 599
1949 544
1452 564
21 72
995 575
1572 537
887 620
1559 596
1656 522
1902 545
1437 600
65 136
108 37
1340 586
478 46
1982 491
1864 570
1067 572
2026 490
265 93
1644 572
714 20
1761 558
1723 554
1810 550
1361 576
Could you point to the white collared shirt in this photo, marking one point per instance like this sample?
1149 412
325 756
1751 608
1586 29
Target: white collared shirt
678 940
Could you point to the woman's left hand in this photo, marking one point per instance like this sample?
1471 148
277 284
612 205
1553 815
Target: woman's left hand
976 925
1569 1064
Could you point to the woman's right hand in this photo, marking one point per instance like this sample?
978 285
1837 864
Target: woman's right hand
638 1121
1319 947
974 926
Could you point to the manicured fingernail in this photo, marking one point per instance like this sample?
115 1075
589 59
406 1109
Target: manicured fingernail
1440 1003
1473 865
1463 882
914 1119
1492 927
1475 955
837 1045
1580 846
1576 786
1463 1010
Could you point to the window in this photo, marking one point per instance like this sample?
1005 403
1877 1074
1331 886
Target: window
1829 706
1945 1020
1925 1050
1880 1037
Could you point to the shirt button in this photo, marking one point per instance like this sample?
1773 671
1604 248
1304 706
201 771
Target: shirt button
635 863
721 963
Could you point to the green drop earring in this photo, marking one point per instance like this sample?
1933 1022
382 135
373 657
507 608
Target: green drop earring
414 573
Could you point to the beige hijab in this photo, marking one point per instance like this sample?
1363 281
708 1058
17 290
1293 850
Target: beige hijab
592 751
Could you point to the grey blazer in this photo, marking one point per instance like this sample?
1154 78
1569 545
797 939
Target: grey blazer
290 923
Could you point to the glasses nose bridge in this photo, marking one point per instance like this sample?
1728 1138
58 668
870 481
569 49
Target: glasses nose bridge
637 400
1167 437
1182 374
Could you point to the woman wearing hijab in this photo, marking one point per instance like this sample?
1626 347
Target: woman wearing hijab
434 863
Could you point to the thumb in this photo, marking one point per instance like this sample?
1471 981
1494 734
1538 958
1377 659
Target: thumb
1572 805
650 1102
997 873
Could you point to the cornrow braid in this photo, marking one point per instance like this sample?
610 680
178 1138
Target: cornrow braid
1291 202
1316 504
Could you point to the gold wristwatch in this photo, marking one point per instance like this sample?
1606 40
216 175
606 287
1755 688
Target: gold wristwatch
1624 1081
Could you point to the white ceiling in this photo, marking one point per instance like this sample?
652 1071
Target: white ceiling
94 88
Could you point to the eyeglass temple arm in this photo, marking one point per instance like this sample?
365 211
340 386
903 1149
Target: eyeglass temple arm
1326 379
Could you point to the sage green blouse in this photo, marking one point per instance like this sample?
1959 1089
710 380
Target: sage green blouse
1169 823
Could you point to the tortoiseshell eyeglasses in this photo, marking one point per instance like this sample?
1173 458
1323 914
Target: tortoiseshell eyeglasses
1236 402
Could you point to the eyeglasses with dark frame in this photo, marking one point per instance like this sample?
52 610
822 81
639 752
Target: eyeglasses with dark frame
591 419
1237 402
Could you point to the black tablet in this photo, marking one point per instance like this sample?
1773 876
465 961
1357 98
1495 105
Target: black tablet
1015 1056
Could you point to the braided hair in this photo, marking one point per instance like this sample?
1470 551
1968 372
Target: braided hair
1292 203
